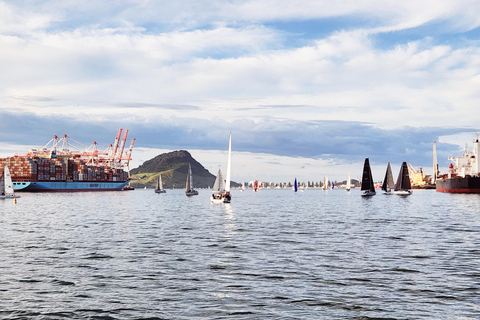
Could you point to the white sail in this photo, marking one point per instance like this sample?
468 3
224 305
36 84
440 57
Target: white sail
229 164
8 181
219 185
348 186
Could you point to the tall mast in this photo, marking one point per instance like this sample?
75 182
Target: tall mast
229 164
435 164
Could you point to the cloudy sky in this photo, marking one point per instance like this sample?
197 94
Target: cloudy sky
307 88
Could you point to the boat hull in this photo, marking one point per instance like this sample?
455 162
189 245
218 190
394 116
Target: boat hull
459 185
68 186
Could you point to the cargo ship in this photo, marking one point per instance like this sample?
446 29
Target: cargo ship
60 166
463 173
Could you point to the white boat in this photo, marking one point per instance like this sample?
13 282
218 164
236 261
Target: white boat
403 186
348 186
325 184
189 191
243 186
159 186
6 185
368 187
221 188
388 184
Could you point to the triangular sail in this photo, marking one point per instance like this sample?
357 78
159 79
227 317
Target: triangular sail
159 185
349 184
2 185
229 164
189 184
367 179
295 185
8 184
403 181
219 185
388 183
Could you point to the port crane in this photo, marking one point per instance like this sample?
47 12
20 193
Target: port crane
93 155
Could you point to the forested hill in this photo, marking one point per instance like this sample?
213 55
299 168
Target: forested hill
174 167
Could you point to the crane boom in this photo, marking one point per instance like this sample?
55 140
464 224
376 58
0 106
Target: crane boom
115 144
122 146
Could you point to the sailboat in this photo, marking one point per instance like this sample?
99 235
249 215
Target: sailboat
388 184
325 184
348 186
189 191
295 185
255 186
403 186
159 186
6 185
221 188
368 187
243 186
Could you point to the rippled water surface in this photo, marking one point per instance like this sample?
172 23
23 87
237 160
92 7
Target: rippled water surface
274 254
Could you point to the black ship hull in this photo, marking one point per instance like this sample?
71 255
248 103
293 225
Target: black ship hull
459 185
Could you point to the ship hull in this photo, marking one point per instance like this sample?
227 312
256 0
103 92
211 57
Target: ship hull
68 186
459 185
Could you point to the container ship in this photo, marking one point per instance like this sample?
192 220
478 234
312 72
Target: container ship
62 166
463 173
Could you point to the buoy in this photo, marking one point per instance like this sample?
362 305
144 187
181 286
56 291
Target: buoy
14 200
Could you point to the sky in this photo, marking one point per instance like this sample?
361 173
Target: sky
307 88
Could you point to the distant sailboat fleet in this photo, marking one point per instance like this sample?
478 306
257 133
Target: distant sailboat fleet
221 191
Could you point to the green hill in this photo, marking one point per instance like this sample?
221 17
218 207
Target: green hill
173 166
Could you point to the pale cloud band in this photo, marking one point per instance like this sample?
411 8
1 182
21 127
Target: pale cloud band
308 79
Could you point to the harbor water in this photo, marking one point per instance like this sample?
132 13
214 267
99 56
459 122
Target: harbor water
272 254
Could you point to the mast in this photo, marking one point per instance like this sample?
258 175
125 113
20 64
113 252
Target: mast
435 163
229 164
476 154
188 184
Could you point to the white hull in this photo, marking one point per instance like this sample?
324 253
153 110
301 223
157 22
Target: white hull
403 192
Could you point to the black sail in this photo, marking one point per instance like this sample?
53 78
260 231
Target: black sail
403 181
388 183
367 179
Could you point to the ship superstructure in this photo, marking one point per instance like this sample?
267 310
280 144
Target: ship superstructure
463 173
67 165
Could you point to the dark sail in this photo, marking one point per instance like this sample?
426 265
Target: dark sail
403 181
367 179
388 183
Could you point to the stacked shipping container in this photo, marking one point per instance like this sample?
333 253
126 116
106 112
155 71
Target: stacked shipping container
53 169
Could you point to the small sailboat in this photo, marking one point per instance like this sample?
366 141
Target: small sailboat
221 188
6 185
189 191
368 187
325 184
295 185
348 186
242 188
388 184
159 186
218 188
333 185
255 186
403 186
